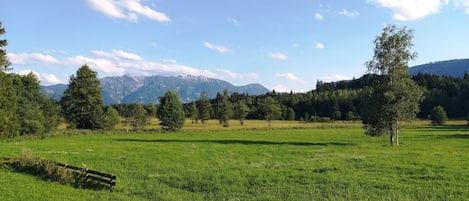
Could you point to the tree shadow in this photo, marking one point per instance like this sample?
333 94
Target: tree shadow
243 142
445 128
455 136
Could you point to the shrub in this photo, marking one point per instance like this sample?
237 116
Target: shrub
438 116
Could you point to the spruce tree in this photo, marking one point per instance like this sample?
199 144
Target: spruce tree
170 112
225 109
82 102
204 108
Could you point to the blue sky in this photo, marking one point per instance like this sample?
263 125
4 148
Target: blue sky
283 45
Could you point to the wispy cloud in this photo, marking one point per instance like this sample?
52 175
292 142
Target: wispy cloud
288 76
464 3
318 16
127 9
218 48
319 45
407 10
115 62
334 77
277 55
233 21
24 58
232 74
347 13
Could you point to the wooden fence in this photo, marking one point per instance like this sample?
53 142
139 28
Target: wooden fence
94 175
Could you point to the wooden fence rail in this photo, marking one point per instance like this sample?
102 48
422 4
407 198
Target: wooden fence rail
94 175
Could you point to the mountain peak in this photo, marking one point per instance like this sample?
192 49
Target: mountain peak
148 89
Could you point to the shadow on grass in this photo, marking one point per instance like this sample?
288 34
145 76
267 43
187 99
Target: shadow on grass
243 142
454 136
445 128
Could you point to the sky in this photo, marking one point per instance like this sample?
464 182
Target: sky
285 45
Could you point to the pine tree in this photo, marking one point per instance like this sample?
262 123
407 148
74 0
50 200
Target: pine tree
225 110
241 111
170 112
82 102
194 113
204 108
139 116
4 62
30 101
8 105
112 118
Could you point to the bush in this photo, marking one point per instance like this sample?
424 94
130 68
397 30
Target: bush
438 116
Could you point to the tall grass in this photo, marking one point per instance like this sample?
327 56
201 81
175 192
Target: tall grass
322 162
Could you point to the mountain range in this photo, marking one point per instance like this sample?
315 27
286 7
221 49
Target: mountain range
148 89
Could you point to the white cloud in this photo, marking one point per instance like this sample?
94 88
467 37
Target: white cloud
24 58
218 48
464 3
335 77
319 45
348 13
232 21
49 79
115 62
98 64
127 9
232 74
44 78
279 56
318 16
168 61
126 55
288 76
407 10
283 89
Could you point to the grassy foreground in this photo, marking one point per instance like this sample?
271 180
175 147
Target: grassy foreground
322 162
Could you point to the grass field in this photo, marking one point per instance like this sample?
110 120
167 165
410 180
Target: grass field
332 161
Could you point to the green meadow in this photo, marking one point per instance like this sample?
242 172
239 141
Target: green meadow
290 161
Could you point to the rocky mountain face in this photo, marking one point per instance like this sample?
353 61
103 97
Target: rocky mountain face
142 89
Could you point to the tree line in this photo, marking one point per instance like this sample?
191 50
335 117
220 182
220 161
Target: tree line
381 99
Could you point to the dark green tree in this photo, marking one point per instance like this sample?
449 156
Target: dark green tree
4 62
8 105
8 100
204 108
438 116
395 97
271 109
170 112
82 102
225 110
111 119
30 102
194 113
139 116
241 111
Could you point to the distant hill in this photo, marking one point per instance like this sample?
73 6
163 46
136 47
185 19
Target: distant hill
452 68
148 89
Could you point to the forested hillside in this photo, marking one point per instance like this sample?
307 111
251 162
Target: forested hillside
453 68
